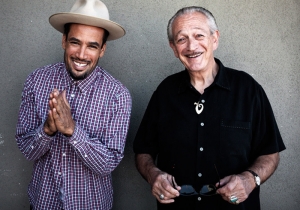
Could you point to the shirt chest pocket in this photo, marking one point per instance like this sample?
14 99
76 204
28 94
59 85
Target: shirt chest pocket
235 140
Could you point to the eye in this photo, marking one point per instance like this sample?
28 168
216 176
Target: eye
74 43
93 47
181 40
199 36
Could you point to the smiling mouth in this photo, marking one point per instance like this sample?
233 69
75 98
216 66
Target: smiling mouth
80 64
195 55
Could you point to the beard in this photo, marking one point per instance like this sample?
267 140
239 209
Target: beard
71 72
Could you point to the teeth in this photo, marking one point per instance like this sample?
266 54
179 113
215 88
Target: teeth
80 64
195 55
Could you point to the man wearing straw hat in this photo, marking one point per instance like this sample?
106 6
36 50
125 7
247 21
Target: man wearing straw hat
74 116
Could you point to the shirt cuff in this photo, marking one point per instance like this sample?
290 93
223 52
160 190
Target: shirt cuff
43 138
77 139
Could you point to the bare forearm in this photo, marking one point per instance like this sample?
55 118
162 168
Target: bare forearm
265 165
146 167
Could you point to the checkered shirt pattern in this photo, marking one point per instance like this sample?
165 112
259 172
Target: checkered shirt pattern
80 166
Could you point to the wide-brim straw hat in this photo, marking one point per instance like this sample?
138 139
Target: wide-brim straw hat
88 12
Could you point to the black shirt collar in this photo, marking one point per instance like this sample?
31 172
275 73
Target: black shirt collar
221 79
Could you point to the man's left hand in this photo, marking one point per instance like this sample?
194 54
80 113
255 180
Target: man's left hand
240 186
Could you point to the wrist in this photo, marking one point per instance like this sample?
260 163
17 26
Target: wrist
153 172
48 131
255 177
69 131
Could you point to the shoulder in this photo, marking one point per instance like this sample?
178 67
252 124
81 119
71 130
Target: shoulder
111 84
172 81
45 74
234 74
47 70
241 79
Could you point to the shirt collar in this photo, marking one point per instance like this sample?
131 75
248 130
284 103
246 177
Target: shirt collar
221 79
84 84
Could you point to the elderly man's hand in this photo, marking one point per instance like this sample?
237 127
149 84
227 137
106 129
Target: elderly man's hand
61 113
240 186
162 187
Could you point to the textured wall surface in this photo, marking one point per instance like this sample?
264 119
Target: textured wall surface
260 37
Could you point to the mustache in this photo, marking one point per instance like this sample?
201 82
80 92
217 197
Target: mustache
195 53
80 60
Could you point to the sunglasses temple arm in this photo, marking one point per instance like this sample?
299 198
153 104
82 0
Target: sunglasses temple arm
173 183
218 176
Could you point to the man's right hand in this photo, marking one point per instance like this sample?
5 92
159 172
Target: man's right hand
161 183
49 126
162 187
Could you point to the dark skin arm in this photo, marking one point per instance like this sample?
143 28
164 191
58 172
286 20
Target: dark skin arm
241 185
160 182
59 116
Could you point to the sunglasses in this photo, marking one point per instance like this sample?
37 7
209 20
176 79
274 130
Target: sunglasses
206 190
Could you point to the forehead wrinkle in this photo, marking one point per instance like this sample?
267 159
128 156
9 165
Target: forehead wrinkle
195 28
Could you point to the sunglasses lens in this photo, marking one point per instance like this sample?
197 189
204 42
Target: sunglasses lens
208 190
187 190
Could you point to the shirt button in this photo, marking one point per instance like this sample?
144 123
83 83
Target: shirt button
59 173
64 154
75 142
202 124
203 101
40 136
72 95
199 198
85 155
201 149
199 174
32 147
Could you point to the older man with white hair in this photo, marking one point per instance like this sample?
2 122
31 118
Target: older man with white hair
74 116
209 137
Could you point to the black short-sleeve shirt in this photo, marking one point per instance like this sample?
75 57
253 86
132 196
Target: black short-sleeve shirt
236 126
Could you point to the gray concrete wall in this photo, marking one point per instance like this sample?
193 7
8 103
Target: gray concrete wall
260 37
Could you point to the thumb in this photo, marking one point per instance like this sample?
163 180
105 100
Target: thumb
224 181
64 95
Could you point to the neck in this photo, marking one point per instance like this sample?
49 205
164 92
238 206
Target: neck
204 78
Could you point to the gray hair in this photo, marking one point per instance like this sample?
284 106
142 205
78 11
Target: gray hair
189 10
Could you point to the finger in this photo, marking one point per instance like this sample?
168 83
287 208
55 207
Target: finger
58 103
49 125
225 180
175 184
55 106
169 190
228 184
55 114
51 105
164 200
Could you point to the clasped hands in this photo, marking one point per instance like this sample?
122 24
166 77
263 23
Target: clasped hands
239 186
59 115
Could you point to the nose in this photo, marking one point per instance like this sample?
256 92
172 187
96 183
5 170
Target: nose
81 53
192 44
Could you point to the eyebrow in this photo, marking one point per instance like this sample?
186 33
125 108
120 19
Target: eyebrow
201 29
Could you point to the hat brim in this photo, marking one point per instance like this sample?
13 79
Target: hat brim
60 19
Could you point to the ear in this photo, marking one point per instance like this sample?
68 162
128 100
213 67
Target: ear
216 36
64 41
102 51
172 45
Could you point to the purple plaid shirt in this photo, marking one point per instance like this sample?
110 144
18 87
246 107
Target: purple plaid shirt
80 166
